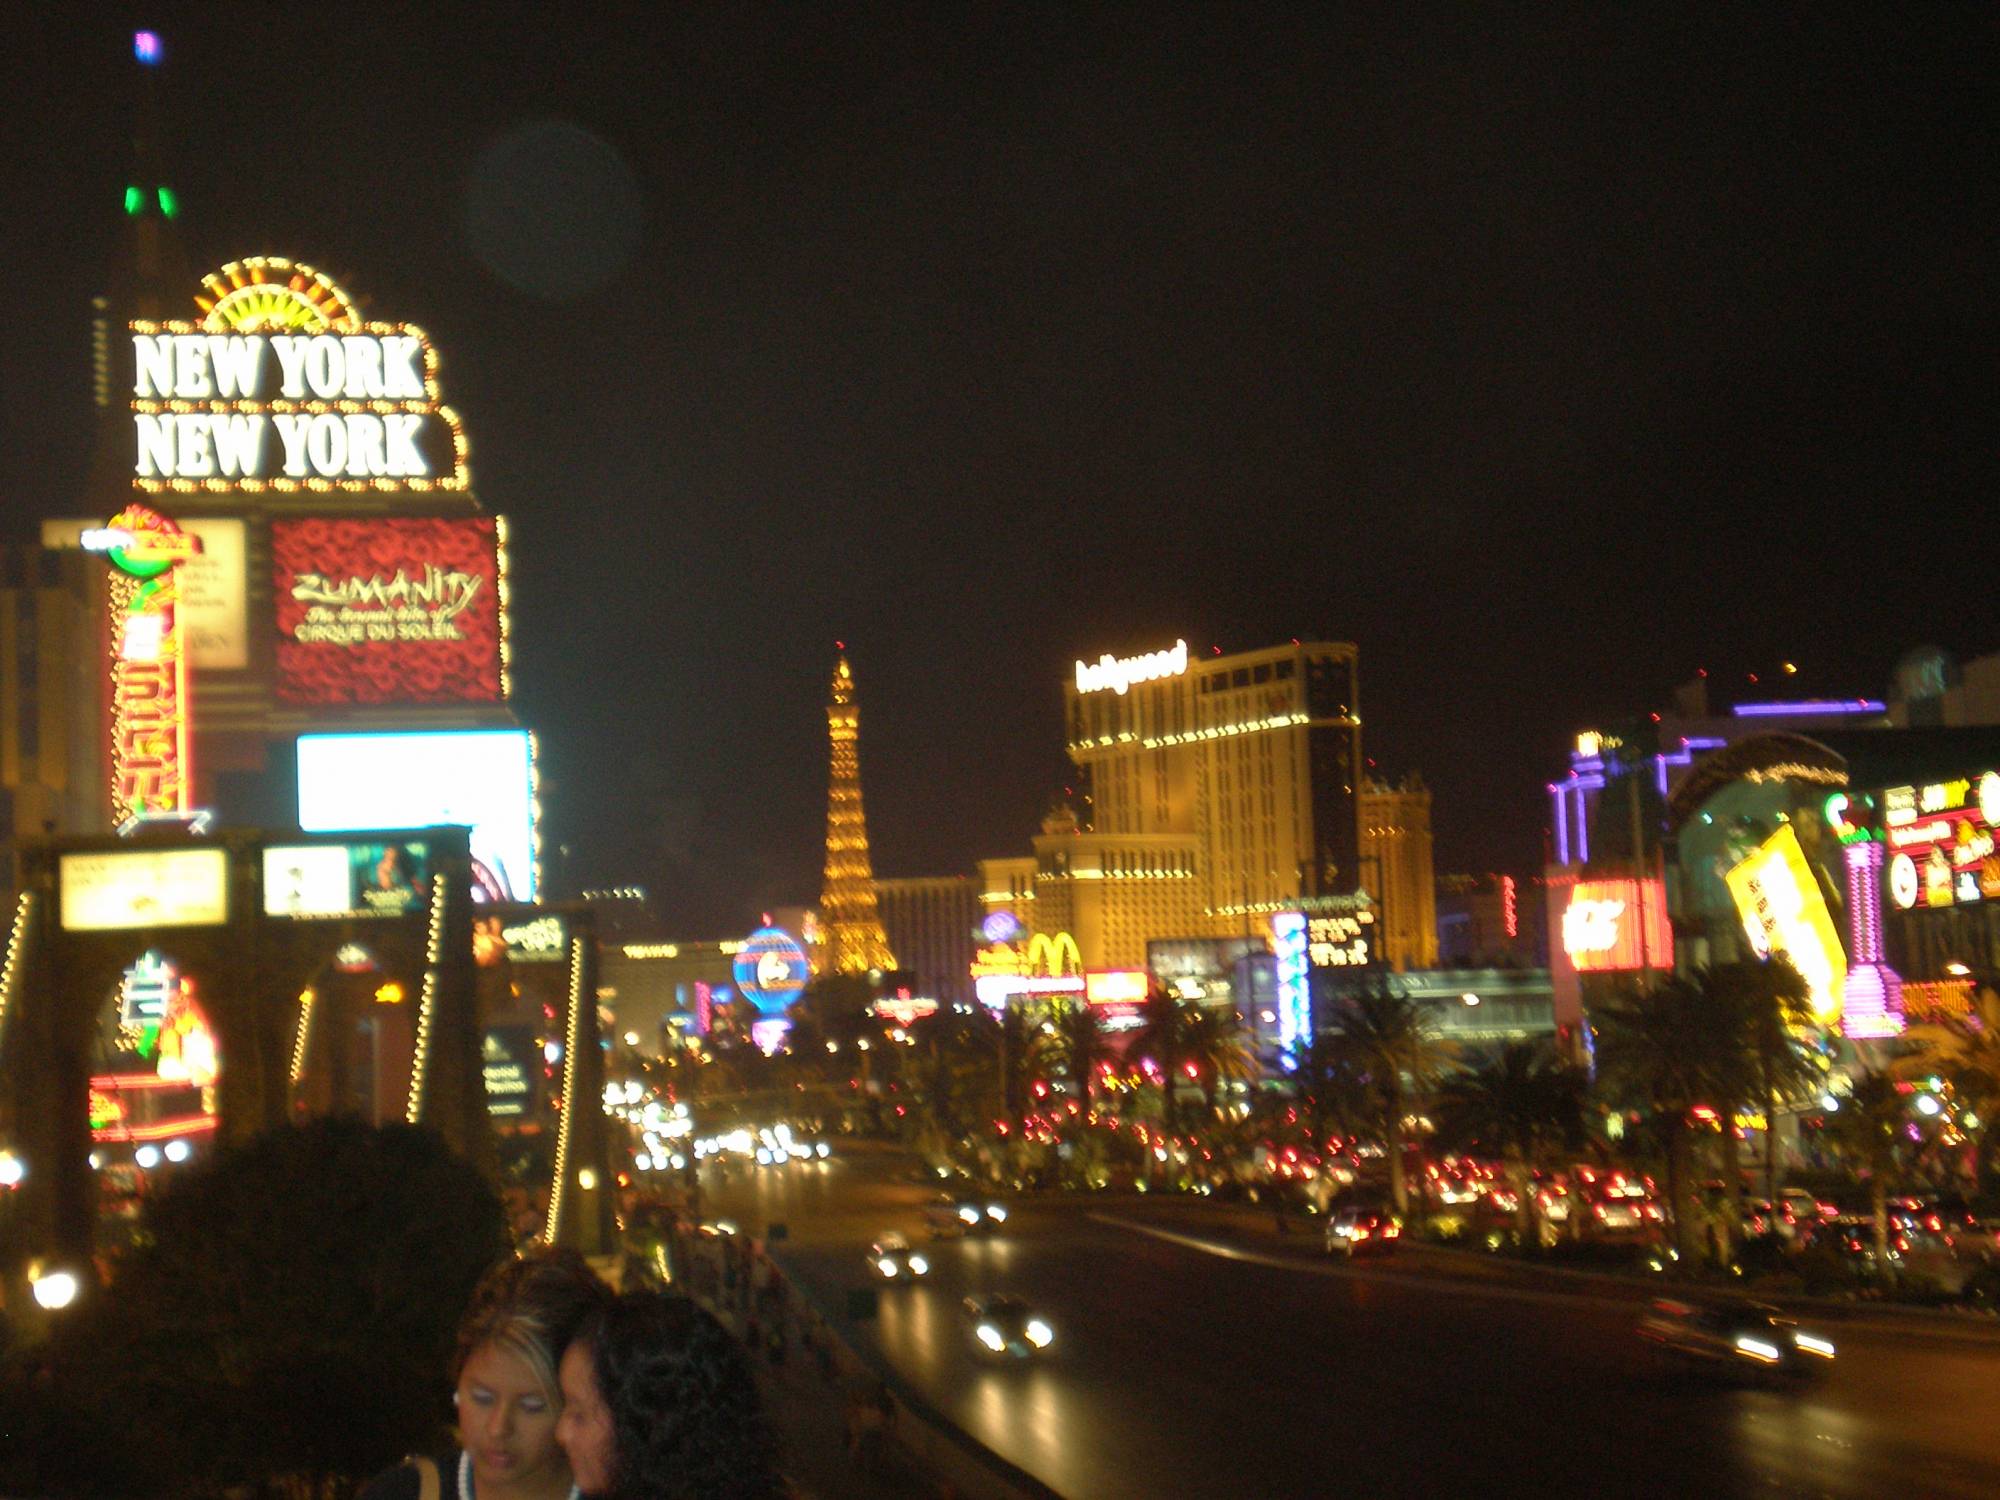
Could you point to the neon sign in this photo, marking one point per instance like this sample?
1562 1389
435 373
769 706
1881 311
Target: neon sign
151 771
1617 925
1783 912
282 386
1941 841
1289 942
772 970
1872 998
1119 673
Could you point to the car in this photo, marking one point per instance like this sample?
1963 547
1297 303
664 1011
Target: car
1738 1337
950 1214
1005 1326
1356 1231
892 1259
1805 1208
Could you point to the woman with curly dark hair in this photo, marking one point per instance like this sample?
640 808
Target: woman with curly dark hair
659 1404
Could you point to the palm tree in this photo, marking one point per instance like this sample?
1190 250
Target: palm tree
1074 1043
1520 1105
1393 1040
1664 1052
1332 1090
1215 1052
1163 1037
1772 1008
1868 1127
1966 1050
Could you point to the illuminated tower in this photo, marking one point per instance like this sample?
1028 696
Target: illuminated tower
851 937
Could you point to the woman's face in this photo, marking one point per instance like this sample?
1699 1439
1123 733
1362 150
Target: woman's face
585 1427
507 1421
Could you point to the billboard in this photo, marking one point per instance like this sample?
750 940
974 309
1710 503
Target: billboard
213 583
1611 926
1941 842
1783 912
482 779
386 879
388 610
121 889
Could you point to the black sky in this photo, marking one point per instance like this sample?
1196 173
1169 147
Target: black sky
1546 354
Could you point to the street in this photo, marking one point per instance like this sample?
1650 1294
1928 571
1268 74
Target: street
1188 1364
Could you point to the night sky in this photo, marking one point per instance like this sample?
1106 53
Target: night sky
1548 357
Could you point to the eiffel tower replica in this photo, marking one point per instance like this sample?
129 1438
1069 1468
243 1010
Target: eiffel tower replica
851 936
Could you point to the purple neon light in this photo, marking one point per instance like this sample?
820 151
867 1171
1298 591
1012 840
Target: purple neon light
1807 708
1562 826
1871 1000
146 46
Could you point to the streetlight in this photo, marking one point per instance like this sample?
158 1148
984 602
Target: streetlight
55 1290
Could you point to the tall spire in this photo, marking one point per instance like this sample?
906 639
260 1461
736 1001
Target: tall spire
147 274
851 936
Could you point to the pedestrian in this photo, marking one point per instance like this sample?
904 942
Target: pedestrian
659 1404
522 1316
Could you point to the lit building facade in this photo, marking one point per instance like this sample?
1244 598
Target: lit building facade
1250 763
1397 870
932 925
52 744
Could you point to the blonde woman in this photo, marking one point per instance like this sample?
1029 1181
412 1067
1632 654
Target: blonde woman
523 1315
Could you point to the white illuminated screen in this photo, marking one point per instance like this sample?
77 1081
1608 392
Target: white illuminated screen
349 783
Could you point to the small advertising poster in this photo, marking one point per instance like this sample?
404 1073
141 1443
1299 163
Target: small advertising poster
511 1062
346 880
387 610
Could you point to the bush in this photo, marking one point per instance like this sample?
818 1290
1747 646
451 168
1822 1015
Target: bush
289 1319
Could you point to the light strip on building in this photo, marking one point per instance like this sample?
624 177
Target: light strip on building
559 1188
306 999
1807 708
10 970
427 1012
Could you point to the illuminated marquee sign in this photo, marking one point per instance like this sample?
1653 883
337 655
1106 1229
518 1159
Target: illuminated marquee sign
282 386
1783 912
151 774
1617 925
1940 842
1340 941
390 610
1119 672
144 888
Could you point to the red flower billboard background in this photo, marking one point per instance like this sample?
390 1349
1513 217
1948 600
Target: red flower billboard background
387 610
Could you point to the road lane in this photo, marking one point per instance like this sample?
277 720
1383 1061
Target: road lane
1181 1371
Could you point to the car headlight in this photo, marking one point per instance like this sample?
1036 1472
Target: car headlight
1757 1349
822 1150
969 1214
1812 1343
918 1265
888 1266
996 1213
990 1337
1040 1334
